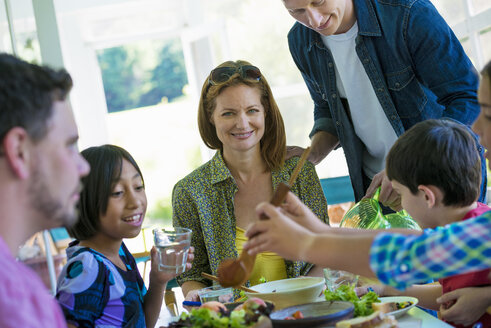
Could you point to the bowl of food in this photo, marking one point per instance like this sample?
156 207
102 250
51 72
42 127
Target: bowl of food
253 313
288 292
312 314
396 305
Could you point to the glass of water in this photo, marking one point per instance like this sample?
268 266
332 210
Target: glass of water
173 247
336 278
216 293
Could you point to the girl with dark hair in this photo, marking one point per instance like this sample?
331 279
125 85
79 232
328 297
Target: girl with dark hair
100 285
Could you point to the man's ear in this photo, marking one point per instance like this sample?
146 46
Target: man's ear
16 151
433 195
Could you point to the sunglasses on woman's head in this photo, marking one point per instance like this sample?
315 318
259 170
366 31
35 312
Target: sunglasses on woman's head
223 74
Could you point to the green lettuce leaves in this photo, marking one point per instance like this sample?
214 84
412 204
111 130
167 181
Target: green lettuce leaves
363 305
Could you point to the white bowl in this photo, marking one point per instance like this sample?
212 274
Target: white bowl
289 292
398 299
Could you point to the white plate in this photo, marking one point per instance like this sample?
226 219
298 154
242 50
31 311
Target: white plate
399 299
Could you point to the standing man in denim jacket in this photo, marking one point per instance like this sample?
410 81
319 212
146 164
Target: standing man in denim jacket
374 68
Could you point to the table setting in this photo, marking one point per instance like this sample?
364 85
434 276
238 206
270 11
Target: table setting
329 301
317 313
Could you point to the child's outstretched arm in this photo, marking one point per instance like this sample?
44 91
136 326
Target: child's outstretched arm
328 249
152 302
469 304
391 255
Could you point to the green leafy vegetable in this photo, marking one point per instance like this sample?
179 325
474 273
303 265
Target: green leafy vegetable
206 318
262 280
363 305
243 295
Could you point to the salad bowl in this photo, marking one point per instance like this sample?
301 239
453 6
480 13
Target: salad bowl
288 292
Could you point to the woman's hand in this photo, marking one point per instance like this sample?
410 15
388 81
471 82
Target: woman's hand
192 296
466 305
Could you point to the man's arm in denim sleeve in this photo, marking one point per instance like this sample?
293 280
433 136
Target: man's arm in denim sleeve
440 62
461 247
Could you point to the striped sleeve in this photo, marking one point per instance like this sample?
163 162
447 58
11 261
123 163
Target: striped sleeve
461 247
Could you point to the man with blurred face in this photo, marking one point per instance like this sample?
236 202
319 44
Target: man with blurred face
55 186
374 69
40 170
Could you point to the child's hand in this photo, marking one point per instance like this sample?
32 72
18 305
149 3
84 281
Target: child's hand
469 304
276 234
162 277
298 212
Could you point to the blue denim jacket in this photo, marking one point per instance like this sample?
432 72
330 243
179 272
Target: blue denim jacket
417 67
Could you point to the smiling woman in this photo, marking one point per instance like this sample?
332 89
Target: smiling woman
238 117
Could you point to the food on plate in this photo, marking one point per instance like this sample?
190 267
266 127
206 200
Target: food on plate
296 315
252 313
403 305
363 305
252 304
385 307
391 306
375 320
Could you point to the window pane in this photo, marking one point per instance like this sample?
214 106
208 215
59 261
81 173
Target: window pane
26 38
141 74
485 38
480 5
252 35
452 10
466 44
5 42
165 142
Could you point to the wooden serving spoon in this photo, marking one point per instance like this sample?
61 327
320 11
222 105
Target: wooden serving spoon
235 272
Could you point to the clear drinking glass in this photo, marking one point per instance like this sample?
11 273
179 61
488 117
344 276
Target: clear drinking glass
173 247
336 278
216 293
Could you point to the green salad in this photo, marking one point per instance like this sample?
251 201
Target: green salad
208 318
216 315
363 305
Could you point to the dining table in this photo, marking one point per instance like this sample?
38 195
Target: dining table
414 318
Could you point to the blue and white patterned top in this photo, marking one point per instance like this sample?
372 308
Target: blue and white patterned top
460 247
93 292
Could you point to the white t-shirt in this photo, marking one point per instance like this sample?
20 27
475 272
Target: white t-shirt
369 120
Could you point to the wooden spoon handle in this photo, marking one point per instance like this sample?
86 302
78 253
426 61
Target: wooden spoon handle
278 197
283 188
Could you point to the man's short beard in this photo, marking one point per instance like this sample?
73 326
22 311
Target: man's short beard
42 201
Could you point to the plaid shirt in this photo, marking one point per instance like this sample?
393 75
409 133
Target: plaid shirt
461 247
